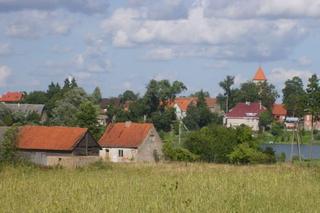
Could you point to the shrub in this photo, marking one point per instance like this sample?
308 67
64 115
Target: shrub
178 153
212 143
8 146
281 157
244 154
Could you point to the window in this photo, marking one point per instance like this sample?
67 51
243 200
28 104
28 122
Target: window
120 153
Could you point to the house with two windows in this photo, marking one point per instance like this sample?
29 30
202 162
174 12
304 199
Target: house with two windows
131 142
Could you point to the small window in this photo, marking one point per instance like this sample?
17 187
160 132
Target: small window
120 153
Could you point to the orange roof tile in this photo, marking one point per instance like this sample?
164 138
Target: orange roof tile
11 97
184 103
260 76
125 135
211 102
50 138
279 109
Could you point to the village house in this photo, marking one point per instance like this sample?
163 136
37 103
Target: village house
12 97
27 109
131 142
49 146
181 105
279 112
244 114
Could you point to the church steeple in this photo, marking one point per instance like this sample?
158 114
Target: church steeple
259 76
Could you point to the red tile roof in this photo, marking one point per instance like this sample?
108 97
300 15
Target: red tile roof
50 138
184 103
260 76
211 102
125 135
242 110
11 97
279 109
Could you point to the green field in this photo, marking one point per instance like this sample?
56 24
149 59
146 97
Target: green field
161 188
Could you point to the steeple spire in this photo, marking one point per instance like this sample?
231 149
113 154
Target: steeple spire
259 76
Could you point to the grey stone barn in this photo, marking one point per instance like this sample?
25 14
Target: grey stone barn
48 146
131 142
27 109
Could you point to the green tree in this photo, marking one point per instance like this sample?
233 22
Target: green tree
8 146
66 108
128 95
159 93
226 98
294 97
199 115
87 117
96 95
265 119
212 144
313 101
36 97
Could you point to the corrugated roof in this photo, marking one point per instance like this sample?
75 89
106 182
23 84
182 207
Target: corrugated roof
242 110
26 108
11 97
125 135
279 109
260 76
55 138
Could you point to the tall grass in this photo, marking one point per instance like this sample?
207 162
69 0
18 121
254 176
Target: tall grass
161 188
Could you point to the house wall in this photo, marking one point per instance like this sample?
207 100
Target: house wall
251 122
57 158
179 113
152 145
40 158
129 154
308 123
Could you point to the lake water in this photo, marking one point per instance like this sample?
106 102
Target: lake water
286 148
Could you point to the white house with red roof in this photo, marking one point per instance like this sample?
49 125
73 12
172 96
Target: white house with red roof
131 142
244 114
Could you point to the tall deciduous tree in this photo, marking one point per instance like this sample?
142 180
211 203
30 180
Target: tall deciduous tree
226 85
313 101
87 117
160 92
294 97
128 95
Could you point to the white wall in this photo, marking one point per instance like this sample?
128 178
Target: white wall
251 122
129 155
179 113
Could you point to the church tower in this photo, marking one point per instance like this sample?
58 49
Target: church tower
259 77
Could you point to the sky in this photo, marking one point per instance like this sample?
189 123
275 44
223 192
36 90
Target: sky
119 45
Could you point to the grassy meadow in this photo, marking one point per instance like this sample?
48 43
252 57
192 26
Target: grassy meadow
172 187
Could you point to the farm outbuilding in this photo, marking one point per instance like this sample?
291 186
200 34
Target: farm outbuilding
48 146
131 142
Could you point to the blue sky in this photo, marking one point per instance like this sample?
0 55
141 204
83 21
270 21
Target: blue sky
119 45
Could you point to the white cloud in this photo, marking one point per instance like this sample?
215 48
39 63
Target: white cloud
5 72
263 8
160 54
242 39
34 23
304 61
280 75
5 49
81 6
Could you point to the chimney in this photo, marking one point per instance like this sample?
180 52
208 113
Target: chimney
128 123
